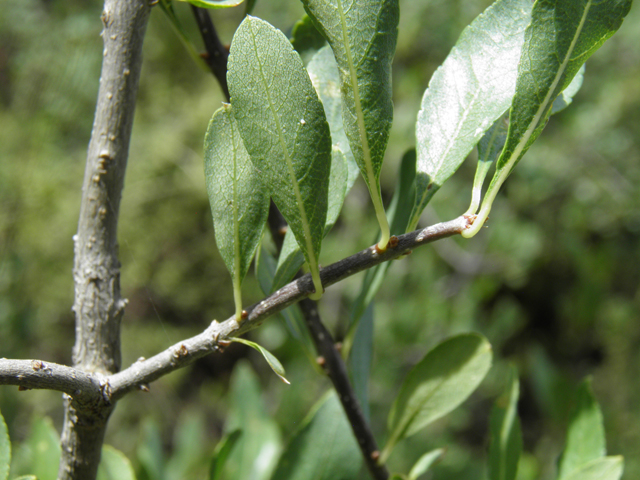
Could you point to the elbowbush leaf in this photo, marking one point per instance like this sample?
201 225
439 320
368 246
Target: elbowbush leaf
5 450
562 35
606 468
114 465
443 379
273 362
219 458
306 39
473 87
585 437
425 462
362 35
214 3
506 435
239 200
324 448
284 129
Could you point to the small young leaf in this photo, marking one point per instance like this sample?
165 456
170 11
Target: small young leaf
273 362
114 465
425 462
214 3
224 447
606 468
306 39
506 435
473 87
5 450
324 448
562 35
238 198
363 35
443 379
585 437
284 129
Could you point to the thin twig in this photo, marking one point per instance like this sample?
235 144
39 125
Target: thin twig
331 360
217 55
185 352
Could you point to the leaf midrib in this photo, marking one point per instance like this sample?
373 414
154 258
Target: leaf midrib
294 181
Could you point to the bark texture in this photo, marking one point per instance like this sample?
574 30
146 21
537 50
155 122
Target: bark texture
98 306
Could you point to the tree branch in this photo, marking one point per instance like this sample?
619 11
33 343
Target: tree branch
98 305
332 363
183 353
217 55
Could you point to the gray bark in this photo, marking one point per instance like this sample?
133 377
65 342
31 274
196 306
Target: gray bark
98 305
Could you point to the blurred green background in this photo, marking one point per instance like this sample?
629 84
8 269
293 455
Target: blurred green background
553 282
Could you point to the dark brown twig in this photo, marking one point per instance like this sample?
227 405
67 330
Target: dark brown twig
331 361
217 55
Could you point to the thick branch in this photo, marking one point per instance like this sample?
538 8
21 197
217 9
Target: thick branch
185 352
98 305
332 362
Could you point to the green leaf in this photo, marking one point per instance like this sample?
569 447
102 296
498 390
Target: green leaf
224 447
563 100
473 87
239 201
306 39
248 6
5 450
443 379
39 455
363 35
506 435
284 129
273 362
256 452
562 35
425 462
360 359
607 468
149 453
324 448
26 477
188 446
214 3
167 8
585 437
114 465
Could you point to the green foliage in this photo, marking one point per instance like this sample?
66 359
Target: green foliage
441 381
505 433
5 450
560 38
363 37
220 455
239 201
281 118
114 465
273 362
472 88
214 3
425 462
40 454
323 449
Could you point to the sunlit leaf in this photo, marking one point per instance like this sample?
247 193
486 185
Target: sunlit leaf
214 3
425 462
239 200
363 35
562 35
606 468
114 465
506 436
323 449
443 379
585 437
284 129
273 362
473 87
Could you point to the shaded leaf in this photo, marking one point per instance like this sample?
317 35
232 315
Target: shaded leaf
114 465
606 468
324 448
239 201
506 435
473 87
273 362
39 455
360 358
224 447
5 450
585 437
443 379
425 462
562 35
149 453
188 446
167 9
363 35
563 100
284 129
306 39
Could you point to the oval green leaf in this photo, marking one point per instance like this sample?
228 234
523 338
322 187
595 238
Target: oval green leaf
562 35
425 462
362 35
324 448
239 201
214 3
473 87
273 362
506 435
114 465
284 129
443 379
